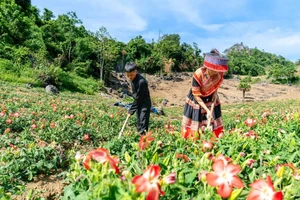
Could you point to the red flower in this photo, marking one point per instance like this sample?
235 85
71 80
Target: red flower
251 134
149 182
33 126
86 137
262 189
207 146
2 114
250 122
17 114
224 177
145 141
8 121
101 155
183 156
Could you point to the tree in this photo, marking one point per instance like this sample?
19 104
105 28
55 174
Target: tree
245 85
102 36
47 15
282 72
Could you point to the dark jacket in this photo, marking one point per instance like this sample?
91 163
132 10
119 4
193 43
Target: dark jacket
140 93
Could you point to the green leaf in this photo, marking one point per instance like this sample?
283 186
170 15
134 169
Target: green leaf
235 194
167 160
154 159
127 157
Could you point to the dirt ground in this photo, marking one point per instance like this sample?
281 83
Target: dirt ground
175 90
48 187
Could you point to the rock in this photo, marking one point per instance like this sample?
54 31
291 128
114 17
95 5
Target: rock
109 90
124 85
153 86
28 85
101 94
51 89
224 87
167 78
164 102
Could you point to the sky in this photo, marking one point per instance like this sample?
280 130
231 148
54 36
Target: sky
269 25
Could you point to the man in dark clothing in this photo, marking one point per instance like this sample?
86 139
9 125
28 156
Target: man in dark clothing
141 95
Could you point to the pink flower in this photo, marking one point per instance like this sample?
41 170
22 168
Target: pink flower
251 134
8 121
170 179
262 189
207 146
101 155
265 114
149 182
242 154
16 114
250 122
2 114
224 177
34 126
250 162
226 160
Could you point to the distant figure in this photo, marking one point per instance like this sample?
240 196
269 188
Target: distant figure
141 95
206 81
51 89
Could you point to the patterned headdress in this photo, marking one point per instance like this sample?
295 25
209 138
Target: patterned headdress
216 61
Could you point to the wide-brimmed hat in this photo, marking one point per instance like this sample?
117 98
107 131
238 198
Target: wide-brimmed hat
216 61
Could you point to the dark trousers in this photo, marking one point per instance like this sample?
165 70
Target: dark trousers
142 119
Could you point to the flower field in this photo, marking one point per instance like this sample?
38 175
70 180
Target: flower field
75 136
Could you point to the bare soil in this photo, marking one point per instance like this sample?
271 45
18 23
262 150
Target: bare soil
175 90
49 187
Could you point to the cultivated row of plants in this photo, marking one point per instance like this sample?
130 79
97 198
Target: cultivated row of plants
257 157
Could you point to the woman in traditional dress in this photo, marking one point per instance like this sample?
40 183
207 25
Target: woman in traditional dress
202 104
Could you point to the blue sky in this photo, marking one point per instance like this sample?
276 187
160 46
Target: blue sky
272 25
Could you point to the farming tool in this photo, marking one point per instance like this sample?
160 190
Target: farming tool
123 126
209 126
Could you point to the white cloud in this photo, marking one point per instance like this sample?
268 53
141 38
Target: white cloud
191 11
275 40
116 15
